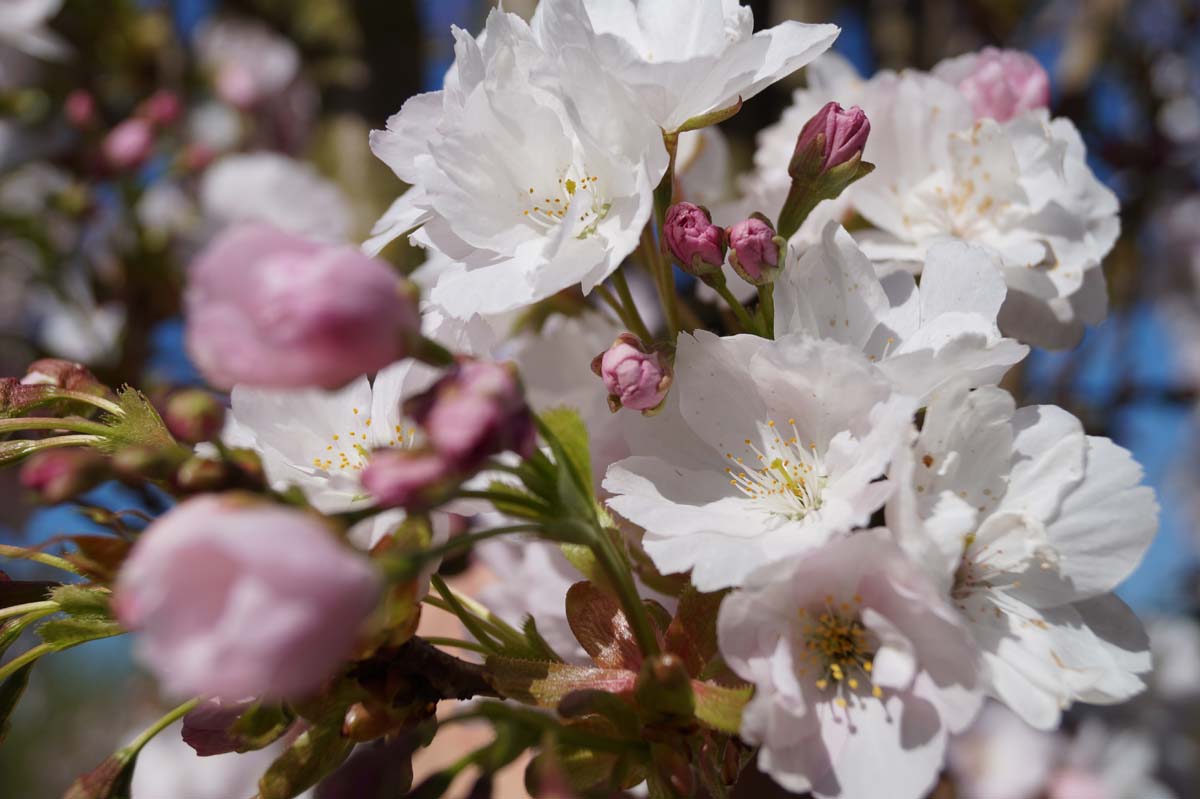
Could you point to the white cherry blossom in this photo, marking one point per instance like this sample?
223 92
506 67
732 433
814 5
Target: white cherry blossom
921 337
860 670
320 440
682 58
527 186
764 449
1029 524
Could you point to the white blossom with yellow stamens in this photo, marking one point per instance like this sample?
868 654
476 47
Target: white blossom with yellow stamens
860 668
320 440
1028 524
764 449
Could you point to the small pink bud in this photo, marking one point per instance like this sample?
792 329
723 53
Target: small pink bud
476 411
409 479
80 108
272 309
162 108
208 728
129 144
60 475
697 244
236 597
193 415
636 377
831 138
62 374
754 250
1002 84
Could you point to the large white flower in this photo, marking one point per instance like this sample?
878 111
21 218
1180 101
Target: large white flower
682 58
280 191
860 670
531 174
1029 524
1022 188
320 440
921 338
764 449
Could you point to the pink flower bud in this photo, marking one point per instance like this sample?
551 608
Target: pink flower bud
62 374
208 728
235 597
162 108
80 108
193 415
412 479
129 144
754 250
476 411
271 309
697 244
832 137
636 378
60 475
1002 84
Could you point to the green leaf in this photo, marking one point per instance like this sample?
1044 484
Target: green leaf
65 633
601 627
719 707
692 634
567 436
538 644
11 631
310 758
515 509
10 693
543 683
141 426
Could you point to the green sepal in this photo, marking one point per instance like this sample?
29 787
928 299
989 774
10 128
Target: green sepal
315 754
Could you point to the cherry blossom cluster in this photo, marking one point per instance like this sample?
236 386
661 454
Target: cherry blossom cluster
743 466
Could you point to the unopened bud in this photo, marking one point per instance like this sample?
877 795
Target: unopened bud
697 244
197 475
636 377
80 108
129 144
755 250
136 464
161 109
194 415
63 374
411 479
831 138
478 410
59 475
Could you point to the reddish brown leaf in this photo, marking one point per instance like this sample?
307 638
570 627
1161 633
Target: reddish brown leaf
601 628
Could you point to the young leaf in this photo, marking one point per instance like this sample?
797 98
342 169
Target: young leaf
543 683
720 707
314 754
80 601
692 634
601 628
568 437
10 693
99 556
65 633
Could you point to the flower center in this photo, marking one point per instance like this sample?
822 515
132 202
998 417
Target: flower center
546 209
788 477
838 651
349 450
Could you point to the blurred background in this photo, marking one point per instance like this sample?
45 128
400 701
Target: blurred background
136 128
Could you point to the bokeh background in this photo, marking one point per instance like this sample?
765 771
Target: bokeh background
90 260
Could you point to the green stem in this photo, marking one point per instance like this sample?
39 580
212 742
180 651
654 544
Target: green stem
717 283
43 423
607 296
43 558
621 578
13 666
455 643
91 399
160 725
469 621
766 307
664 280
497 498
30 607
637 326
801 200
430 352
464 541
